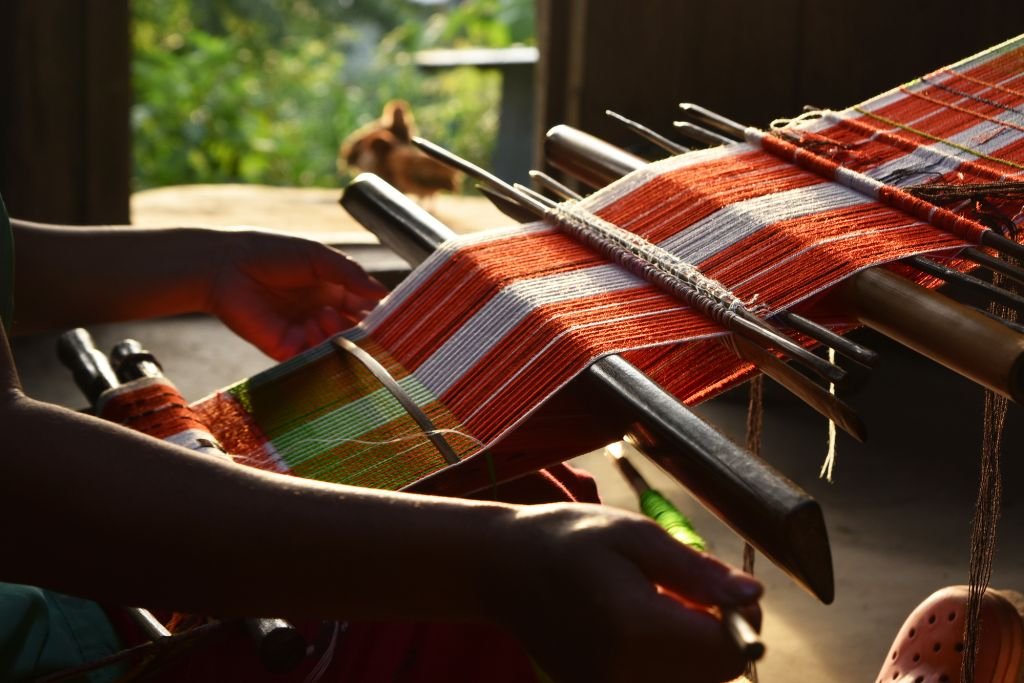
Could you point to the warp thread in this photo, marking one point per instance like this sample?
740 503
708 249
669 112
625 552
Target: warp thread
418 438
991 204
755 427
830 455
987 509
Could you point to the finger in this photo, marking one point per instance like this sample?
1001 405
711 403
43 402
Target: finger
711 651
292 341
693 575
333 266
314 335
358 305
331 322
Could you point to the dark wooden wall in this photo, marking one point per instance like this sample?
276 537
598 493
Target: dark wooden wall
752 61
65 98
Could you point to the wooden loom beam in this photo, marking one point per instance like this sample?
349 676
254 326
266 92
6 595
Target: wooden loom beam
759 503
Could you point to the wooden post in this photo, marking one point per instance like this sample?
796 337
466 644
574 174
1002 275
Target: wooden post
65 88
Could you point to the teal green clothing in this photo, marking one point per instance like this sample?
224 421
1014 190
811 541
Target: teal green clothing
43 632
6 268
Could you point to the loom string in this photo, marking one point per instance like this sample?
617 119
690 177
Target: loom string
987 508
755 428
830 455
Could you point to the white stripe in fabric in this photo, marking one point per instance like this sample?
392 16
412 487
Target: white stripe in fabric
433 263
736 222
938 158
507 309
526 365
831 240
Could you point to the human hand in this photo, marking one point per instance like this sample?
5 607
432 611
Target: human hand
285 294
581 586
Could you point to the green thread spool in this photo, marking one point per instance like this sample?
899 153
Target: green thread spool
669 518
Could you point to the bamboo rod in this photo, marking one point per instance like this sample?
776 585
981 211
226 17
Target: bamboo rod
956 336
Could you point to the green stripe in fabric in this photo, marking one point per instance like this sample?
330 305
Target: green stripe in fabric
6 268
348 422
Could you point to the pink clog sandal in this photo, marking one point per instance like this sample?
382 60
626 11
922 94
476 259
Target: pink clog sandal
929 646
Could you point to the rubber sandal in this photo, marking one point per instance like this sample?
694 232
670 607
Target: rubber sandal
929 646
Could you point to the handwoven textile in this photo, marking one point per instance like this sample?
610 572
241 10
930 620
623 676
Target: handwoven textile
491 326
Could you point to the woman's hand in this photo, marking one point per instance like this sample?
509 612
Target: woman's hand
285 294
281 293
578 584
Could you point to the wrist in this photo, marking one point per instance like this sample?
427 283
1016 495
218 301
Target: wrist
208 250
514 553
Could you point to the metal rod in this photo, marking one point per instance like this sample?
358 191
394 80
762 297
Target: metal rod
759 503
996 265
513 210
841 344
798 384
710 119
992 239
701 135
648 134
565 148
551 185
1015 326
739 321
971 283
546 201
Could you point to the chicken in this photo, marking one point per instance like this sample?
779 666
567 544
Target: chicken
385 147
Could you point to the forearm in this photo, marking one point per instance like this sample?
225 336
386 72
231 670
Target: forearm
143 522
68 276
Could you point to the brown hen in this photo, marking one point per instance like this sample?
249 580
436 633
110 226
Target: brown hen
385 147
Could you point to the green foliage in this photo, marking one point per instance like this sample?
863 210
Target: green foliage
265 90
